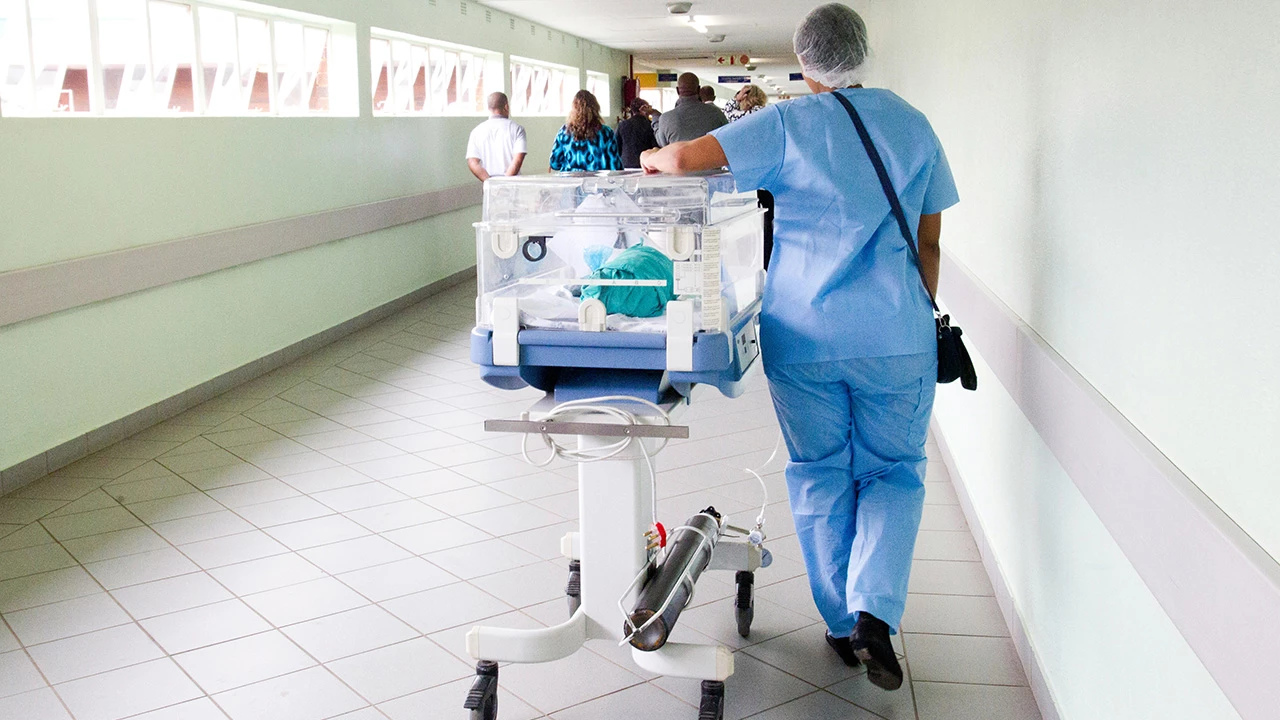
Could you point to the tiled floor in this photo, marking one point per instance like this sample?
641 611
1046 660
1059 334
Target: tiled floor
316 543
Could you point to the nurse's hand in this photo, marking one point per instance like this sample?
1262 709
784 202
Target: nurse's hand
647 161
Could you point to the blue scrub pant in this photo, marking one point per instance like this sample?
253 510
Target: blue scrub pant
856 431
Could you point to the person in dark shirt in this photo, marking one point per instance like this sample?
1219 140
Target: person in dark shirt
635 134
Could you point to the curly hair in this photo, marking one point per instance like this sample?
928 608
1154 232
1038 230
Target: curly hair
755 98
584 117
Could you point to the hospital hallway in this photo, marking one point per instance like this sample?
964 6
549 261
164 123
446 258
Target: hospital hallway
327 531
430 360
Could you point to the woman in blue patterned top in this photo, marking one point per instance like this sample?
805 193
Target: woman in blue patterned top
585 143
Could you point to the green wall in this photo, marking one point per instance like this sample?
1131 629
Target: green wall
75 187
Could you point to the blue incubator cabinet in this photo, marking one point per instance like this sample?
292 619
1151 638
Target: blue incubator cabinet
639 284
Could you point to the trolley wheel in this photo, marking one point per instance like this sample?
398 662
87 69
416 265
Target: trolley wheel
712 705
573 591
744 603
482 699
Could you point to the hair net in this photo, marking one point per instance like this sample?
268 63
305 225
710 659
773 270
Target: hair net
831 43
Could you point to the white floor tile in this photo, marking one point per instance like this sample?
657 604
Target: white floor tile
511 519
70 527
891 705
8 642
244 661
95 652
318 481
312 694
174 508
469 500
150 489
95 500
393 466
43 588
444 702
355 497
307 462
576 679
202 527
384 582
20 511
445 607
419 663
644 699
30 535
140 568
253 493
115 544
317 531
482 558
805 654
954 615
942 577
129 691
355 554
947 701
284 511
203 626
32 560
266 573
421 485
170 595
236 473
527 585
433 536
64 619
232 549
40 704
200 709
943 545
18 675
962 659
814 705
349 633
396 515
305 601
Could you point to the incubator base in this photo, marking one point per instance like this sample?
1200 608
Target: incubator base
611 549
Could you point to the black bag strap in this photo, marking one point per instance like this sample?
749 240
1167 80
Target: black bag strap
887 185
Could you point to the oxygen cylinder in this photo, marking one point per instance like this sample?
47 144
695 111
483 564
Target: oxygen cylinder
670 586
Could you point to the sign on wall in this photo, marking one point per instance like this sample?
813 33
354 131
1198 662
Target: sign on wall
737 59
732 79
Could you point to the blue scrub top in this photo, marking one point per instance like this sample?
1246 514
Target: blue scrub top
841 283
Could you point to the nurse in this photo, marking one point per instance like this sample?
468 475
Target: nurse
847 330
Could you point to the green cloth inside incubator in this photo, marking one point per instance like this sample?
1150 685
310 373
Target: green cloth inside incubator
639 262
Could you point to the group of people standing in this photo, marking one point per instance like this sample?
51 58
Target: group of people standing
585 143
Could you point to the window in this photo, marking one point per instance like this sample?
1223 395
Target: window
662 99
180 57
540 88
598 85
416 76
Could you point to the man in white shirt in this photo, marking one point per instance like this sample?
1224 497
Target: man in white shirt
497 145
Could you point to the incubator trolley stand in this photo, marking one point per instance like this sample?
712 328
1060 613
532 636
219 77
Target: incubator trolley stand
615 383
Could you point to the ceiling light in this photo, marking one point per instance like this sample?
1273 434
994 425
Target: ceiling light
679 8
715 38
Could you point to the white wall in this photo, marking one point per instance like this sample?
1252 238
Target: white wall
1117 164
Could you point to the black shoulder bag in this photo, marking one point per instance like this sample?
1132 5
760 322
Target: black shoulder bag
953 359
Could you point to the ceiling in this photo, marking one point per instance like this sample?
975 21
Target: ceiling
760 29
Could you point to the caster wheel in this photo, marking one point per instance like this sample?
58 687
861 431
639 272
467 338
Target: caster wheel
712 705
744 603
574 589
482 699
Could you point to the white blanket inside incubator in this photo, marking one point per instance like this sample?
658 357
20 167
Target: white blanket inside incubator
554 308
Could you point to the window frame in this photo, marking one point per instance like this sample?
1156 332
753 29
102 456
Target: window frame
565 98
340 62
606 98
493 68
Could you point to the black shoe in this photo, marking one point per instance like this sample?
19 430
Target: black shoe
870 641
844 649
